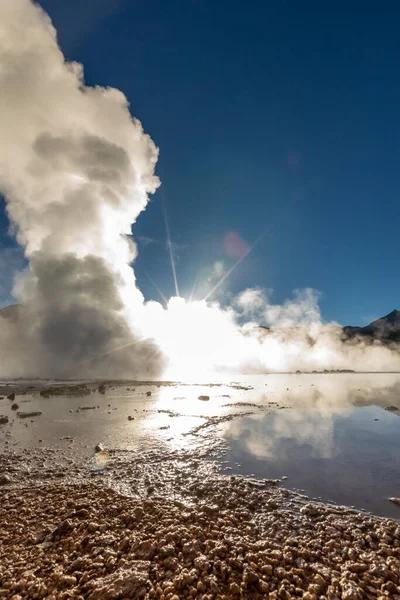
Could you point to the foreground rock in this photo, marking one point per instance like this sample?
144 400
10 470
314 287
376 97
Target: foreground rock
128 582
29 414
187 533
66 390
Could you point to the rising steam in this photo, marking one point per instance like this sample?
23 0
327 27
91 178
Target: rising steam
200 337
76 170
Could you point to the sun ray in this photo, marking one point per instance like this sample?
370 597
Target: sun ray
171 254
153 283
113 350
193 287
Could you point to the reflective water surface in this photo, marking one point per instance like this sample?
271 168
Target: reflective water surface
336 441
328 434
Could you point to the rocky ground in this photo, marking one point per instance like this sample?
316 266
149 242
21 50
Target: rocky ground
176 529
164 524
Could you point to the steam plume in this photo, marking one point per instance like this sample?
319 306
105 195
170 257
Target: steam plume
76 171
200 337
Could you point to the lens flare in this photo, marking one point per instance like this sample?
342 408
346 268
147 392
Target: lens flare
99 461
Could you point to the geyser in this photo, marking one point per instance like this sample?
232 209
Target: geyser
76 170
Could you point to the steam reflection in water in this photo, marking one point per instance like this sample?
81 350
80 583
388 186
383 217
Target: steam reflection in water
336 441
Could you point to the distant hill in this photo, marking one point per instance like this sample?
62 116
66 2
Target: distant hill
386 329
11 313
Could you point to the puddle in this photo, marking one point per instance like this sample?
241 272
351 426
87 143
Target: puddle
337 442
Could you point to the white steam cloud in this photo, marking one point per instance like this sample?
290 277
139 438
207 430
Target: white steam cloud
76 170
200 337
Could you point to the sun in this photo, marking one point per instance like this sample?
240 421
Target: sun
198 338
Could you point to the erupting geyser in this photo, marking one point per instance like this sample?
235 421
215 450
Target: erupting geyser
76 171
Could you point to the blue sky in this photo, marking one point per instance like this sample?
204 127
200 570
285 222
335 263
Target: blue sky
271 116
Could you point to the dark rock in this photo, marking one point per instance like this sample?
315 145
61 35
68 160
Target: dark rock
67 390
64 527
15 406
81 513
146 550
27 415
148 393
11 396
391 408
204 397
3 419
250 577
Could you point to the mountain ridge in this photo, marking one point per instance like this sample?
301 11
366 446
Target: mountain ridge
385 329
